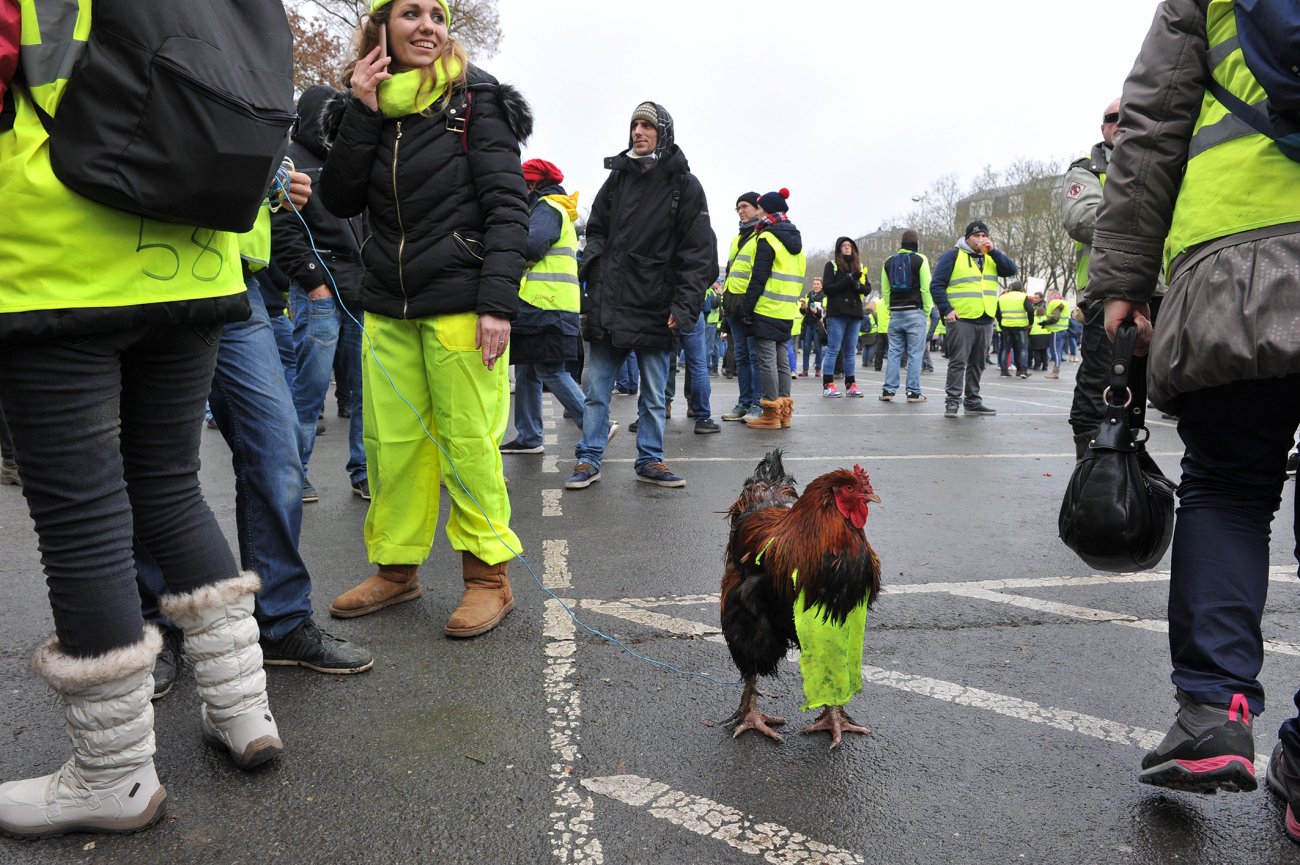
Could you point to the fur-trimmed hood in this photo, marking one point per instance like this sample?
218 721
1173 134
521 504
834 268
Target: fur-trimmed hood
518 113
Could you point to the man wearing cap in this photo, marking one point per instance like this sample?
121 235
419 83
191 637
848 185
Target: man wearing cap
909 305
650 255
965 288
545 337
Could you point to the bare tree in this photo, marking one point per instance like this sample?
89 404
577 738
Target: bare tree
324 29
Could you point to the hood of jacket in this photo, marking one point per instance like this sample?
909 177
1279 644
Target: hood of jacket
666 141
309 126
555 192
788 235
518 113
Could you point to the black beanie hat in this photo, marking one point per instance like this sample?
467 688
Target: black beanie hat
774 202
910 239
976 225
751 197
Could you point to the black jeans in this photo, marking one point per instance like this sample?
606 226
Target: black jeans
107 429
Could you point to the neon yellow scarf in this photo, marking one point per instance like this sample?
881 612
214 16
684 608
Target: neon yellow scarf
410 92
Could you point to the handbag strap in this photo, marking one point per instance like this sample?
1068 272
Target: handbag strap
1124 413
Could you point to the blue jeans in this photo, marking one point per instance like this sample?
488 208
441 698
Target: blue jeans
107 430
812 345
529 379
906 334
1237 437
746 361
695 345
1015 349
321 329
714 345
254 411
628 377
604 361
841 338
1058 343
282 328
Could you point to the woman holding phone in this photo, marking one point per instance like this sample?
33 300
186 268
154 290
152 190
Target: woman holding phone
429 144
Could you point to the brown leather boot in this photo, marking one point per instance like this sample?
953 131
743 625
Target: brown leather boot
391 584
787 411
1055 373
486 601
771 418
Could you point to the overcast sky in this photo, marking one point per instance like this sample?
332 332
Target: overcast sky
854 108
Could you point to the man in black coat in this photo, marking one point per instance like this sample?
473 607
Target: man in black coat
650 254
326 305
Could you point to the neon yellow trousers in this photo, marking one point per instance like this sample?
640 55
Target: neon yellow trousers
433 363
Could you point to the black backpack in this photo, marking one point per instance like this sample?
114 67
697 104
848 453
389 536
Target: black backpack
899 271
1269 33
178 111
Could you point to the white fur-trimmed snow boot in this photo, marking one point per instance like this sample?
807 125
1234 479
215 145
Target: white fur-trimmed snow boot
221 642
110 784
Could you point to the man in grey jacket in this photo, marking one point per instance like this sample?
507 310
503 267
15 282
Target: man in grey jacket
1191 179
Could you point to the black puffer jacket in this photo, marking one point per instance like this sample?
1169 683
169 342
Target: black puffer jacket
641 262
844 289
448 213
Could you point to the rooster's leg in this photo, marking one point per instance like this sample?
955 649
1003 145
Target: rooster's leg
836 721
748 717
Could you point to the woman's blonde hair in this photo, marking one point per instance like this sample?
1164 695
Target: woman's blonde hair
367 37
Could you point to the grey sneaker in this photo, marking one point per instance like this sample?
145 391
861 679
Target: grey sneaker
736 413
950 411
1208 748
754 411
309 493
1284 781
981 409
706 425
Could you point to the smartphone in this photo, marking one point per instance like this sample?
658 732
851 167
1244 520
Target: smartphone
383 41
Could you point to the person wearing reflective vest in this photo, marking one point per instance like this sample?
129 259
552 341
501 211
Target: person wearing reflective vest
109 324
1195 189
1014 315
965 288
1057 323
713 318
908 305
740 262
546 335
771 304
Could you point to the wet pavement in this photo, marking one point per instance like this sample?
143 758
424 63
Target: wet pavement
1011 690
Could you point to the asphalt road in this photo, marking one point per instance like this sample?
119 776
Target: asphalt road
1011 691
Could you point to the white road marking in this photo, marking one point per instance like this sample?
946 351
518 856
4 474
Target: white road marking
641 616
550 464
570 832
775 843
551 503
551 438
548 423
555 565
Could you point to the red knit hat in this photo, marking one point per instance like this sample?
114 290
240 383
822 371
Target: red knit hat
541 171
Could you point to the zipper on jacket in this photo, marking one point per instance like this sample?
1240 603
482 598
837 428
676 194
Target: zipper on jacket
401 229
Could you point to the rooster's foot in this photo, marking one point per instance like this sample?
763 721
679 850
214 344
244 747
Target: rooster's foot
756 720
836 721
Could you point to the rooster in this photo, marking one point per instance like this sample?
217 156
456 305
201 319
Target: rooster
800 573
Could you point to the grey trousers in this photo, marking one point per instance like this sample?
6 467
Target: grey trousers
968 346
773 368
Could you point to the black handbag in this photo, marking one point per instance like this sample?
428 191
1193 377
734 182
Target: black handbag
1118 510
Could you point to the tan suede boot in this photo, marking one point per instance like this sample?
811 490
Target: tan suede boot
392 584
1055 373
771 418
787 411
486 601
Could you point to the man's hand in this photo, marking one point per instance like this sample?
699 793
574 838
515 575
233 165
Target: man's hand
299 189
493 336
952 316
672 322
1119 311
320 291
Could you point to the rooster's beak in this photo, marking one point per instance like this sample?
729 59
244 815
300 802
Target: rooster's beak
872 497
